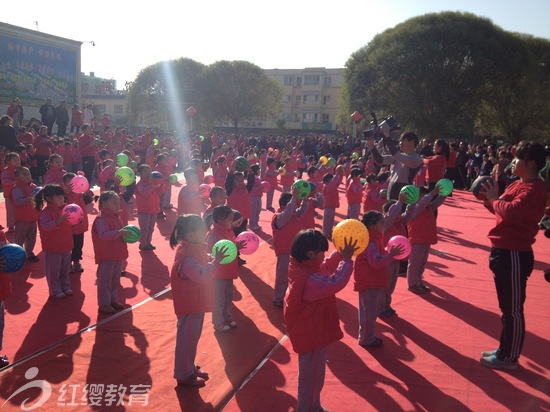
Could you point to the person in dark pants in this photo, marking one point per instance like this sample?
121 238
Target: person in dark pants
88 152
518 212
62 118
47 113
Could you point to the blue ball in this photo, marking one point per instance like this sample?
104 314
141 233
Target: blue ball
156 175
14 257
477 185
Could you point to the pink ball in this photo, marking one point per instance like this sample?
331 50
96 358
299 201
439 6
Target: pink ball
400 241
252 242
204 191
266 187
208 179
74 213
80 183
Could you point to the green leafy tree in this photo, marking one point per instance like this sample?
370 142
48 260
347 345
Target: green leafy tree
162 92
431 72
238 91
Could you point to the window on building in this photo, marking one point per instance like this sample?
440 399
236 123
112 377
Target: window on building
328 81
287 81
298 82
118 109
326 100
311 98
326 118
310 117
312 80
297 99
289 98
101 108
296 117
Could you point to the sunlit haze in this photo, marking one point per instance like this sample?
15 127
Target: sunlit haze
129 36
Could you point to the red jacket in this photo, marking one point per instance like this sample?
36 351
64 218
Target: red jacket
57 239
288 178
189 201
354 191
372 199
86 146
423 228
219 232
26 212
110 246
284 237
310 325
54 176
148 196
436 167
8 180
518 212
190 296
330 193
239 199
365 275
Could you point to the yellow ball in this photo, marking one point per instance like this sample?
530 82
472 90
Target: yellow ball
323 160
351 228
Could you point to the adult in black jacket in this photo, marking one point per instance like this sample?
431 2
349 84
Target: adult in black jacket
8 138
47 113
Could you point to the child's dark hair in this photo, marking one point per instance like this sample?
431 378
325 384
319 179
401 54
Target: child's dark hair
19 171
10 156
222 159
284 199
142 167
105 197
221 212
355 172
103 154
188 173
309 240
372 178
255 169
327 178
67 177
271 161
160 158
185 224
528 151
387 205
311 170
49 191
371 218
216 190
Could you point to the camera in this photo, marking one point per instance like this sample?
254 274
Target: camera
375 130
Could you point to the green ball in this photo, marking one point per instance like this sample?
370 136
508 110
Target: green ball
133 164
174 152
126 175
173 179
241 164
134 234
412 192
331 161
445 187
304 186
122 159
231 250
355 155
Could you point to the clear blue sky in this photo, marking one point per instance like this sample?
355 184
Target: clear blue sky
130 36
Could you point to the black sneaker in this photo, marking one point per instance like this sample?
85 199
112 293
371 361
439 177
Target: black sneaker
4 361
241 261
32 258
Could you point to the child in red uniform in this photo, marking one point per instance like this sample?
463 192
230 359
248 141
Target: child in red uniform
12 161
221 171
110 251
354 193
165 170
80 228
189 199
285 225
271 177
287 179
238 194
24 213
256 198
332 199
147 193
422 229
310 311
192 293
223 280
54 175
218 197
372 199
57 240
5 292
371 278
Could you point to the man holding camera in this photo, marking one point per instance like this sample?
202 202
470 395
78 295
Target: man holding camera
406 162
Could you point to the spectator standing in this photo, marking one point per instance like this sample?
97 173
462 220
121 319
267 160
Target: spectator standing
47 113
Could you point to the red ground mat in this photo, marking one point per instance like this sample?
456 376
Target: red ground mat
429 361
